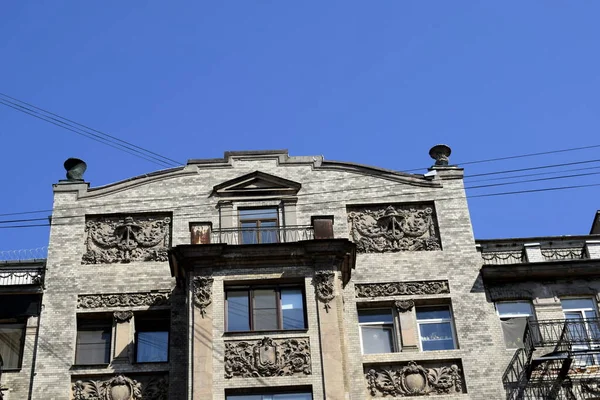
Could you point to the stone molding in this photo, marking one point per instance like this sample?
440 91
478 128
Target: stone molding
380 228
386 289
267 357
114 239
202 287
123 316
404 305
323 282
121 387
414 380
123 300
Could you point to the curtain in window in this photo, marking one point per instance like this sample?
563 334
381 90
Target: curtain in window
11 337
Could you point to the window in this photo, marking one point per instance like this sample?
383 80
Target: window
151 338
93 340
376 331
258 225
11 344
265 308
436 331
513 316
281 396
583 326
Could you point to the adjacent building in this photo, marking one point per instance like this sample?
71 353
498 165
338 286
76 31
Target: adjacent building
264 276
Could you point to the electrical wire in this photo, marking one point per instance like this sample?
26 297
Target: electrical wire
86 131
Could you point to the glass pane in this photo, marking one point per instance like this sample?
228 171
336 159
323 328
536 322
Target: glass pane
245 397
10 345
292 309
268 232
441 312
383 316
238 314
93 347
377 339
249 233
514 308
152 346
265 309
575 304
293 396
436 336
258 213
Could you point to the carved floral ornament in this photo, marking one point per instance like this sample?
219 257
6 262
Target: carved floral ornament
202 293
323 282
401 288
133 238
123 300
123 316
267 357
404 305
414 380
392 228
121 387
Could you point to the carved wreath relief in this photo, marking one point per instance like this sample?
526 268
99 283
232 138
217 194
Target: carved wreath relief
122 300
267 357
381 228
121 388
414 380
401 288
203 293
133 238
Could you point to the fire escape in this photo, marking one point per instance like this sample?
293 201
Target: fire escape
560 359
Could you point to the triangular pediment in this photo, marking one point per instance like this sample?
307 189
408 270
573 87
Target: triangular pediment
256 183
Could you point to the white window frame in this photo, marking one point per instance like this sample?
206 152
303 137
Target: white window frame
436 321
395 346
595 359
531 315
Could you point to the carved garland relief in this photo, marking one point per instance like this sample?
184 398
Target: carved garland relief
323 282
267 357
392 228
401 288
203 293
121 387
133 238
414 380
123 300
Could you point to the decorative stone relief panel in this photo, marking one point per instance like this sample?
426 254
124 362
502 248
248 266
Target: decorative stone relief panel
382 228
401 288
121 387
267 357
323 282
117 239
202 293
413 379
122 316
123 300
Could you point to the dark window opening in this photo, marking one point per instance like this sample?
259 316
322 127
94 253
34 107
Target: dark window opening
93 340
11 343
259 225
152 337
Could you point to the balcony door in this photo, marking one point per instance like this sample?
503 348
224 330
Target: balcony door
583 327
258 225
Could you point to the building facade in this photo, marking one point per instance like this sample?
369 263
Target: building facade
266 276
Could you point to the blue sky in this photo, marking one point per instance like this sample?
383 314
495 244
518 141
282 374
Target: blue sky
370 82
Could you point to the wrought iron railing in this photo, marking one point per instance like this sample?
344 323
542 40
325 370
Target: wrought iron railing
280 234
575 253
571 370
11 275
503 257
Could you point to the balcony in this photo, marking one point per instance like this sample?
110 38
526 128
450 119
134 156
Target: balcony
261 235
21 273
560 359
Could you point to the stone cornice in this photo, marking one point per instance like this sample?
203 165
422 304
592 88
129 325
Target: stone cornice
549 270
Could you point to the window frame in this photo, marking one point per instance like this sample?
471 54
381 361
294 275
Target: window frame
279 311
395 344
436 321
595 359
531 317
92 322
144 316
257 221
268 394
23 323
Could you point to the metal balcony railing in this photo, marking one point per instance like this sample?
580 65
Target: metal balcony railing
571 370
260 235
12 275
